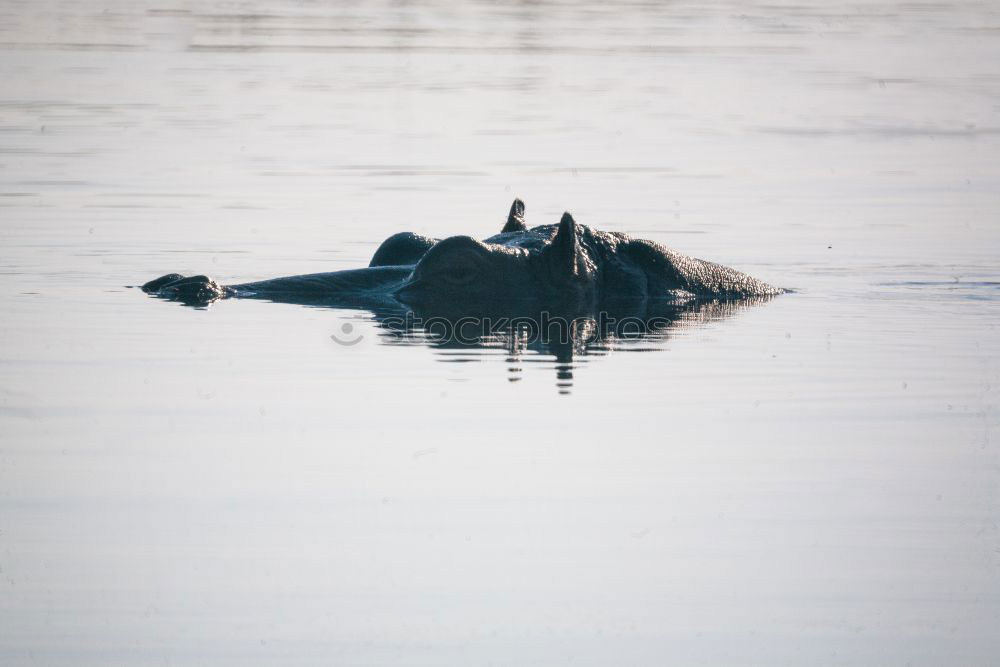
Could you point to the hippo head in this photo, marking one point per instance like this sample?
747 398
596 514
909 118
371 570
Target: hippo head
462 271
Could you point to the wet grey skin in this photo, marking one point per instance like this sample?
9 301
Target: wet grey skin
569 267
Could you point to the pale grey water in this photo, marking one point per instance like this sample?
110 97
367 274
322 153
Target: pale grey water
810 481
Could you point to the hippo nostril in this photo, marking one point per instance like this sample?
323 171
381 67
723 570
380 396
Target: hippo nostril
154 286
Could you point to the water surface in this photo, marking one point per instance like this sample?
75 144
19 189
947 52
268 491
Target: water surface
813 480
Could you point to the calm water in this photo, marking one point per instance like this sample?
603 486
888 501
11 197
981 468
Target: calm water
815 480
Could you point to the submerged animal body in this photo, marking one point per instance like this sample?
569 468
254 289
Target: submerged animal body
569 266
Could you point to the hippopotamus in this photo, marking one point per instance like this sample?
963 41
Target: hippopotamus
568 267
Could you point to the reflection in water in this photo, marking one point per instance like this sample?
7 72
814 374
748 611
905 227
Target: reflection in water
528 335
562 338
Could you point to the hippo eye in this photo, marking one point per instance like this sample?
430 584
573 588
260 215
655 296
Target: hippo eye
461 274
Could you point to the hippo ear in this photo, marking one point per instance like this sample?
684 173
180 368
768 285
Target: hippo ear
563 254
515 219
